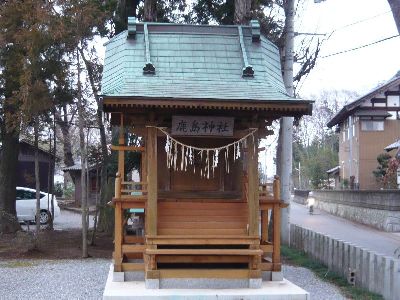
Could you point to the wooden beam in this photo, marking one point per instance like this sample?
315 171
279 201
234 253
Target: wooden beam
287 108
267 248
127 148
266 266
133 248
126 267
203 259
203 241
133 239
254 237
152 194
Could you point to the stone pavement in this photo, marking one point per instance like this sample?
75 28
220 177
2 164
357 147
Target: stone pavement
379 241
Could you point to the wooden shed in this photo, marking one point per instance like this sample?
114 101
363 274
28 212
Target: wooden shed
200 98
26 165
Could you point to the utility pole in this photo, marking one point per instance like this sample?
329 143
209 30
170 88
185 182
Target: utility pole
287 122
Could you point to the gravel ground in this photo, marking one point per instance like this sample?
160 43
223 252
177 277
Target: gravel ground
306 279
62 279
85 279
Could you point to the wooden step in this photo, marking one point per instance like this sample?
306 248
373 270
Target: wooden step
203 252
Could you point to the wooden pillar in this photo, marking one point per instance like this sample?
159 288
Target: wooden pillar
118 228
118 238
264 226
252 192
143 162
276 255
151 156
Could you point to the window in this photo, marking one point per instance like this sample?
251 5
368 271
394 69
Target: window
27 195
19 195
393 100
372 125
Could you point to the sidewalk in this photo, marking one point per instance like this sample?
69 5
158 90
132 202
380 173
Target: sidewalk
372 239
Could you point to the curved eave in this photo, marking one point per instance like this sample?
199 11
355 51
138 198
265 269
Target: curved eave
295 108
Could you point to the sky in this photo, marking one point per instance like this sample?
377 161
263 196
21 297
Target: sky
359 70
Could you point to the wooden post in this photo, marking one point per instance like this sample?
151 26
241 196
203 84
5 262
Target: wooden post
277 188
276 255
253 194
151 155
264 226
143 163
118 238
118 256
118 186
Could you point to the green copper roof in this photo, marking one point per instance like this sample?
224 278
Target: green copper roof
192 62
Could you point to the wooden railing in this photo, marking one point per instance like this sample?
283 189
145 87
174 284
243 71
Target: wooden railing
130 189
270 190
128 195
270 206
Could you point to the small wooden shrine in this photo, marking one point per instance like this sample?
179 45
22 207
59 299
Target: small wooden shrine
198 99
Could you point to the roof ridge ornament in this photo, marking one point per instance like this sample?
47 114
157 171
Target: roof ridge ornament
148 68
132 27
255 30
247 70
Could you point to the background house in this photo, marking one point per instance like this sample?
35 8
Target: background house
366 126
26 165
93 182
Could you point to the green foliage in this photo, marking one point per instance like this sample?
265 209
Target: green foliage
69 192
383 162
316 159
346 183
386 171
58 189
299 258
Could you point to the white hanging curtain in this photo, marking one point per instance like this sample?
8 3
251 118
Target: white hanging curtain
211 155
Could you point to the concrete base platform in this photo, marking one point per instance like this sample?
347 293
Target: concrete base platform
273 290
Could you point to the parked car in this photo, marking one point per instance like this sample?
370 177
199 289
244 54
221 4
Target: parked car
26 206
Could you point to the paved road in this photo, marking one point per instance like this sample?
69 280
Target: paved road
66 220
379 241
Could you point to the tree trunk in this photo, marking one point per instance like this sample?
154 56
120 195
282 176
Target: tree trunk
83 165
150 11
242 12
124 10
103 216
49 185
8 179
64 125
52 167
286 131
37 176
395 7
